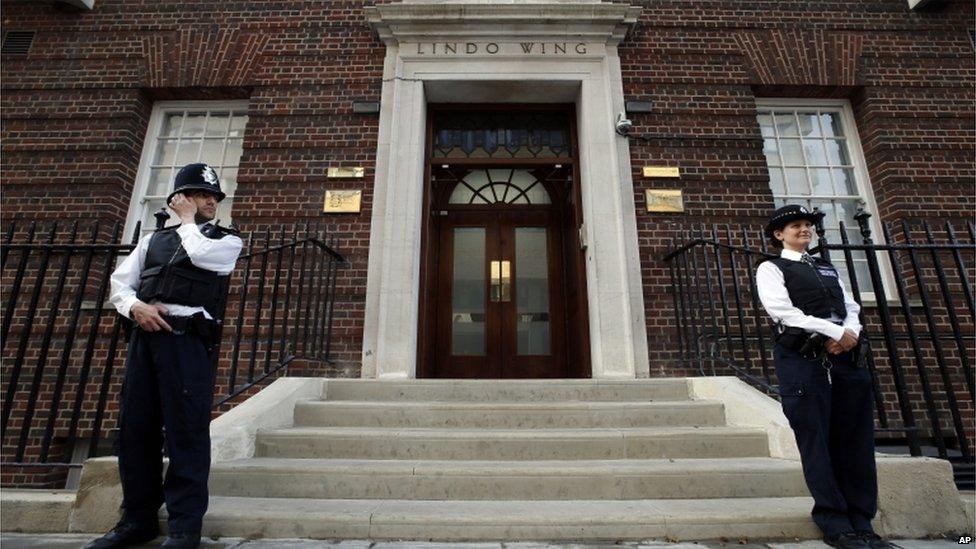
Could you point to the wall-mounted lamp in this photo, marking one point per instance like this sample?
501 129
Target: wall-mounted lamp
366 107
639 106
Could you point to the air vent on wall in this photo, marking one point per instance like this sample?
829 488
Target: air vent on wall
17 42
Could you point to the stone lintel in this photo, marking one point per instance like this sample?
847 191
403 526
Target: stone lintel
468 20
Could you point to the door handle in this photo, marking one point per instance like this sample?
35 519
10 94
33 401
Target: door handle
501 281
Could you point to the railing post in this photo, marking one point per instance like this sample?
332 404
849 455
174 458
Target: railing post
678 322
39 367
904 404
274 305
288 278
950 310
923 378
28 325
818 224
331 301
867 352
108 370
736 288
717 252
940 357
19 277
241 308
756 308
259 310
69 342
714 339
89 353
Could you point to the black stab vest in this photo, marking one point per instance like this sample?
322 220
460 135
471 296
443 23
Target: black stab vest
815 290
170 277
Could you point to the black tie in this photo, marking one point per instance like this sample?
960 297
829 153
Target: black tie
807 258
207 229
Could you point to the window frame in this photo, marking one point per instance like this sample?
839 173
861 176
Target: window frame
159 111
842 107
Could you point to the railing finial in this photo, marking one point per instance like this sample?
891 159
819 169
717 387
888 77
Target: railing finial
818 222
818 227
862 217
162 216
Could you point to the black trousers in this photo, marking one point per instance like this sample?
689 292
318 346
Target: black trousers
168 383
834 428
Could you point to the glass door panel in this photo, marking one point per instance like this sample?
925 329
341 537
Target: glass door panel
532 290
468 295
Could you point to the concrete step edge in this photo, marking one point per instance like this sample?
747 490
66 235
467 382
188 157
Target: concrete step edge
513 405
589 467
529 434
757 518
647 382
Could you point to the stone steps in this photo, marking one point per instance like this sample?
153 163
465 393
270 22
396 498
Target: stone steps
508 480
454 460
687 519
510 415
507 390
512 444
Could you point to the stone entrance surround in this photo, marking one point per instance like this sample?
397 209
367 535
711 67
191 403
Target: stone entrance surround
558 51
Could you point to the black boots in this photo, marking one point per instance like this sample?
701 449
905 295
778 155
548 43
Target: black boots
181 540
126 534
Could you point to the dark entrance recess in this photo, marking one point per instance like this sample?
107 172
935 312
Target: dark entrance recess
503 284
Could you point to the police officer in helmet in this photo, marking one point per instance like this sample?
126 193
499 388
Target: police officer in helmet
826 397
172 286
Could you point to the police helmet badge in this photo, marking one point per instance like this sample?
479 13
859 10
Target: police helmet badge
210 176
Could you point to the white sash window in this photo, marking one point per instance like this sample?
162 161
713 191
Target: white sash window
814 158
181 133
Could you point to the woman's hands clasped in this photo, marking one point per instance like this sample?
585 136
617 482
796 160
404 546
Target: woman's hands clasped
846 343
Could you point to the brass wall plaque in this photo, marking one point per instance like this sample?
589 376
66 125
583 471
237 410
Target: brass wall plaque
343 201
661 171
346 172
665 200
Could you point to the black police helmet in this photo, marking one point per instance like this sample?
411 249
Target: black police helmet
197 177
786 215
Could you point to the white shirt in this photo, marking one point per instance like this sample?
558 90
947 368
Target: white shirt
206 253
776 300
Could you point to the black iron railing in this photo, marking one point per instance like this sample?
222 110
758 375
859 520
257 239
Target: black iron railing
916 295
64 346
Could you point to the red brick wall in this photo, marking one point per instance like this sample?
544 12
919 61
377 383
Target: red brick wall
75 113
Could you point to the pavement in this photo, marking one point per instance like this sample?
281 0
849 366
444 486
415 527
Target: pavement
76 541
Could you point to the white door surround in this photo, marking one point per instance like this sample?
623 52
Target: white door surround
560 51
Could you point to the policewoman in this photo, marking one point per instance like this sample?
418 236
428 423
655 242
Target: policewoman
173 287
826 397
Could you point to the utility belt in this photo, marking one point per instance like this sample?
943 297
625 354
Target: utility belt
811 346
198 324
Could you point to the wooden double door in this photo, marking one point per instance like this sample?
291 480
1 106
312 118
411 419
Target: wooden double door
498 290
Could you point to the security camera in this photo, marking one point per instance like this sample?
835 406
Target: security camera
624 125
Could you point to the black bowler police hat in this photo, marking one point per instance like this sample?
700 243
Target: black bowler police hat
786 215
197 177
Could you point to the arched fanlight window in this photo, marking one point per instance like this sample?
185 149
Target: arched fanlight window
507 186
